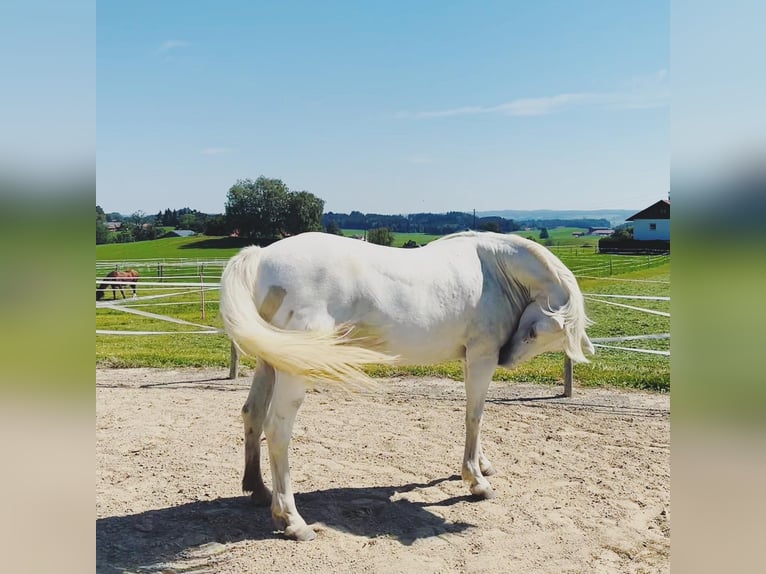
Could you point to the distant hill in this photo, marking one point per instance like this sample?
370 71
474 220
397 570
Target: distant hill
614 216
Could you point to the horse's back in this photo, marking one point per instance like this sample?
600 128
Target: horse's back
413 299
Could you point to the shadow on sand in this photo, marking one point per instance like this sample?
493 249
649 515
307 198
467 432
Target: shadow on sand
150 540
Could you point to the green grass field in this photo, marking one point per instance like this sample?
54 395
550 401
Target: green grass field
650 276
561 236
202 247
399 238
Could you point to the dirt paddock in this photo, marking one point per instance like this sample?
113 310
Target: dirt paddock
582 484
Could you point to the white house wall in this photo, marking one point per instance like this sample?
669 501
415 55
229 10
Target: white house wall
642 231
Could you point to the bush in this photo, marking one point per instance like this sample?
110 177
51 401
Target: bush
380 236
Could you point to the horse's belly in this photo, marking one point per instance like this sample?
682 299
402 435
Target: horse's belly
416 346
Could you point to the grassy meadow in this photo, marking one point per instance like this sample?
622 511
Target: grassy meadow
599 274
561 236
399 238
200 247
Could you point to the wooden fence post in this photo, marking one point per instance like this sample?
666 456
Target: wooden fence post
568 376
233 362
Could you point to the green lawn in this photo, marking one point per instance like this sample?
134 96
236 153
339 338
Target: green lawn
399 238
200 247
561 236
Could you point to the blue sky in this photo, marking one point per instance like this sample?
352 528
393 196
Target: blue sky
393 107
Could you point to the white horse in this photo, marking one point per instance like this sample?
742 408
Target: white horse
317 307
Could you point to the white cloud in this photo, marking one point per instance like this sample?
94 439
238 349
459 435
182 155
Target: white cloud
642 92
215 151
169 45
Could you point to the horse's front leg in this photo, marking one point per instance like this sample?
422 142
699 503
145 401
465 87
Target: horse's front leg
278 427
478 374
253 414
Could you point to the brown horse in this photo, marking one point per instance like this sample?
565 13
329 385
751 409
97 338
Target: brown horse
129 278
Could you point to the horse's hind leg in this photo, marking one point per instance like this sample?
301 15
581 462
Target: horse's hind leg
478 374
288 397
253 415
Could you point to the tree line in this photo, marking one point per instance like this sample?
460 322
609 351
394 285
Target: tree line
140 227
450 222
262 211
265 210
431 223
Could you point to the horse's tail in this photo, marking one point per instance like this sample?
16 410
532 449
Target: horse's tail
575 320
315 356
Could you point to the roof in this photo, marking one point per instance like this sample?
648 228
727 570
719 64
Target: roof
182 232
659 210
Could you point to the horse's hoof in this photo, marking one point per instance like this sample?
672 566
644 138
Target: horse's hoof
301 533
482 492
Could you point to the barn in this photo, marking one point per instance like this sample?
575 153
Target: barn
652 223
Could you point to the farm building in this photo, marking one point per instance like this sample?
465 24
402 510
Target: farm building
653 223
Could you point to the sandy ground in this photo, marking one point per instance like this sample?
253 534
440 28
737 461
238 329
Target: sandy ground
583 484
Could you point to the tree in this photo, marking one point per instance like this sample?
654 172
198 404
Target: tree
304 213
265 210
380 236
544 233
410 244
256 209
333 228
623 233
491 226
102 231
216 225
194 221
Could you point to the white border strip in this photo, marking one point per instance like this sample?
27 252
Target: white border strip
630 338
648 351
111 332
621 279
160 317
642 297
650 311
157 283
115 303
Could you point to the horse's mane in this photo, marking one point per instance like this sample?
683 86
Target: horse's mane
572 313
